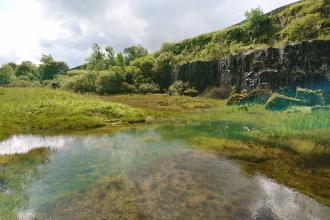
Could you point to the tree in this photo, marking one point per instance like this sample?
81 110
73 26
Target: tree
133 52
26 70
49 68
258 23
110 59
96 59
120 60
7 74
163 67
109 82
145 64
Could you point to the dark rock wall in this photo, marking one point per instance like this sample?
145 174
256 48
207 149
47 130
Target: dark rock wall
306 64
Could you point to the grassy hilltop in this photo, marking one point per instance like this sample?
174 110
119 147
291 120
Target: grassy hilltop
303 20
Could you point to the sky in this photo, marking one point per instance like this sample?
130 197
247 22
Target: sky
66 29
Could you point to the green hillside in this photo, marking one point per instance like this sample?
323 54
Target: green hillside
303 20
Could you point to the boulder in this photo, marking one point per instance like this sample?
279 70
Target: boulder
311 97
281 102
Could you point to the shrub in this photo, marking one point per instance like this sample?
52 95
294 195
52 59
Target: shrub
81 83
164 64
181 88
311 97
177 88
149 88
133 75
281 102
7 74
23 84
191 92
258 25
109 83
217 92
128 88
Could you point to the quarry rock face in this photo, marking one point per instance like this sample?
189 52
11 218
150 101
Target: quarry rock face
305 64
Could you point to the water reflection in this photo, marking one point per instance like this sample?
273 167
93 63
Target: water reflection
24 143
139 175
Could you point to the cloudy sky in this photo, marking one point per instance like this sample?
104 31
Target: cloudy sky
66 29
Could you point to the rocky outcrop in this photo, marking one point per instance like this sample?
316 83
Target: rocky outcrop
305 64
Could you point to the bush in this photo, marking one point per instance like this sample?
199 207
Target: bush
311 97
81 83
149 88
128 88
217 92
191 92
7 74
177 88
133 75
23 84
258 25
281 102
109 83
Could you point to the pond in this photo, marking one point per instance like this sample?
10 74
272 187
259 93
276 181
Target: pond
137 174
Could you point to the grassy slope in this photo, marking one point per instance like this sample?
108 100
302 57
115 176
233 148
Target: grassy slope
37 109
304 20
30 110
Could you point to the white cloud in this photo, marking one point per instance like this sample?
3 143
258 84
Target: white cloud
67 28
23 27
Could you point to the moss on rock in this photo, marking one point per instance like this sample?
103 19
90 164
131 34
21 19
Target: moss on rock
311 97
281 102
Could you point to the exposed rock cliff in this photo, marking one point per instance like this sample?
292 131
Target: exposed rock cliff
305 64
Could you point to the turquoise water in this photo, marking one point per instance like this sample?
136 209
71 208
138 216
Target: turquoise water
139 175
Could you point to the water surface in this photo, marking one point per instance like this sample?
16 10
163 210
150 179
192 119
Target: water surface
139 175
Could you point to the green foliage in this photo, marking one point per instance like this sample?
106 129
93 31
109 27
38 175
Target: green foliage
133 52
96 60
49 68
258 25
146 65
164 64
7 74
81 83
23 83
26 68
120 60
146 88
181 88
190 92
110 82
133 75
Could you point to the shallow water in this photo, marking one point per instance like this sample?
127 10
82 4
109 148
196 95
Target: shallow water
141 175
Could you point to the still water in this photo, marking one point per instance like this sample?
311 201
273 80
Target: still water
138 174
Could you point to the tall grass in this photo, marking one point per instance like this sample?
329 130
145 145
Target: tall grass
307 121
